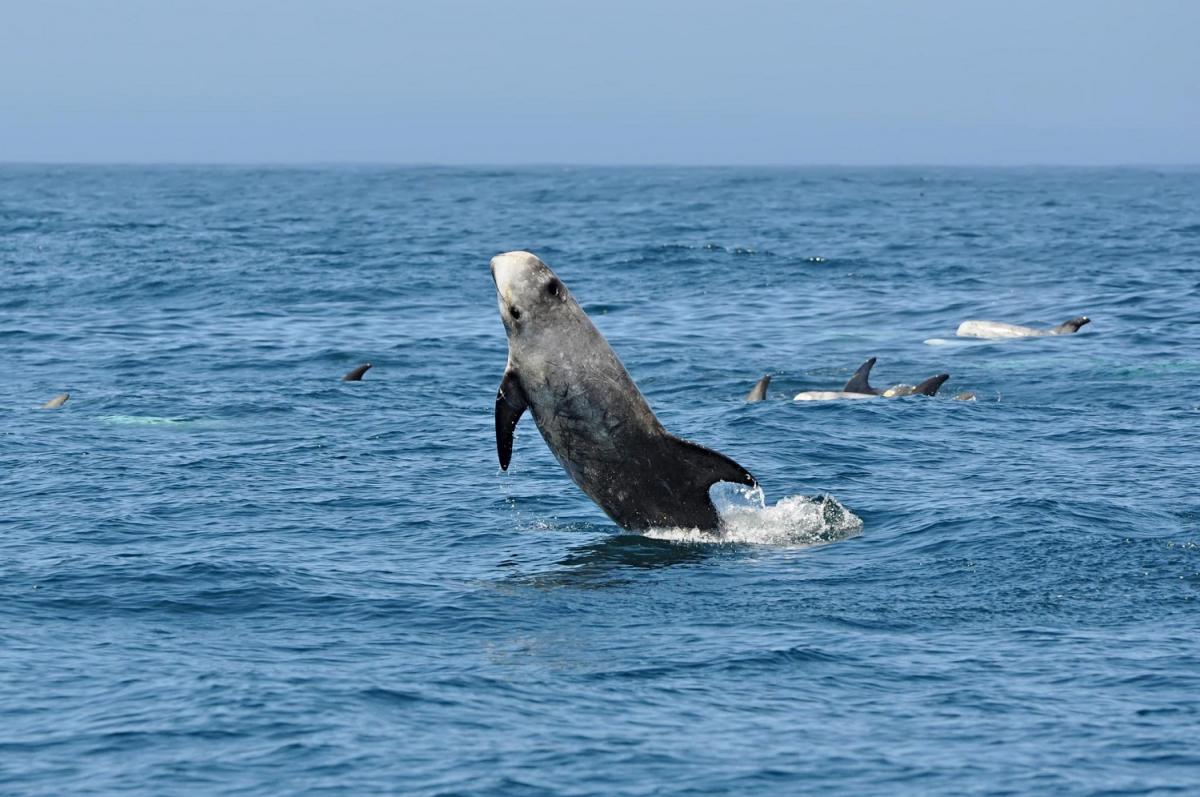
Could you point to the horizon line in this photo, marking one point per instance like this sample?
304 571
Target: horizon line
608 164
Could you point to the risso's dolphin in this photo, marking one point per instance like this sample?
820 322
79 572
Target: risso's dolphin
590 413
56 402
994 330
859 387
759 391
357 374
929 387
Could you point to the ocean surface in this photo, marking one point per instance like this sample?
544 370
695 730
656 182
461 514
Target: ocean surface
225 571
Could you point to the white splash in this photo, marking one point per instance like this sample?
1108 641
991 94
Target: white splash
794 521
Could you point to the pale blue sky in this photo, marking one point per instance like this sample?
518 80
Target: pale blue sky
539 81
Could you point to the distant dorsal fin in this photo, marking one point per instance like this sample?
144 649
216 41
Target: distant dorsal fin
930 386
1071 326
56 402
759 391
357 374
860 382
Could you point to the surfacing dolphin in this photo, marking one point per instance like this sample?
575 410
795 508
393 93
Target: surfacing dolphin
590 413
859 387
56 402
357 374
929 387
995 330
759 391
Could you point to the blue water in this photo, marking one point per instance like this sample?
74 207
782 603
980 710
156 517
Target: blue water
224 571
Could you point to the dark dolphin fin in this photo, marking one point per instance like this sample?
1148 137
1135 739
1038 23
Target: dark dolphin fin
510 404
930 386
859 382
759 391
357 374
684 500
56 402
1072 326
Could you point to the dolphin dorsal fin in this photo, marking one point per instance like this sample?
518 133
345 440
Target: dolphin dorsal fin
1071 326
860 382
759 391
56 402
930 386
357 374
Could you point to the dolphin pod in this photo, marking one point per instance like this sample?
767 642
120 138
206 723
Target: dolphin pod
355 375
859 387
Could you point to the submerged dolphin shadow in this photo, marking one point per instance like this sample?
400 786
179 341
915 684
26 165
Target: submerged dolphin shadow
632 550
611 560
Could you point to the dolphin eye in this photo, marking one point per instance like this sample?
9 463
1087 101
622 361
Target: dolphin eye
516 314
554 288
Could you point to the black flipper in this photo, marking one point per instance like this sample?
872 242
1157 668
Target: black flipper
357 374
510 404
859 383
759 391
930 386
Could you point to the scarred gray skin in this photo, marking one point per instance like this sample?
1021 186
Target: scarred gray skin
590 413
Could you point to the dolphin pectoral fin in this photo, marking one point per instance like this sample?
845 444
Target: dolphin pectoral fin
860 382
930 386
510 404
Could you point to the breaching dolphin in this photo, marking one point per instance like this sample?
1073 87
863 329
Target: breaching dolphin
590 413
994 330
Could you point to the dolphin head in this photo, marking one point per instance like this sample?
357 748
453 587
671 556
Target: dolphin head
528 292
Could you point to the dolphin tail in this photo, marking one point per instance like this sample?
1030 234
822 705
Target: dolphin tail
510 404
859 383
930 386
759 391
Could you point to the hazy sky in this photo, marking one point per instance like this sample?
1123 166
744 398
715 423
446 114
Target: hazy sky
538 81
